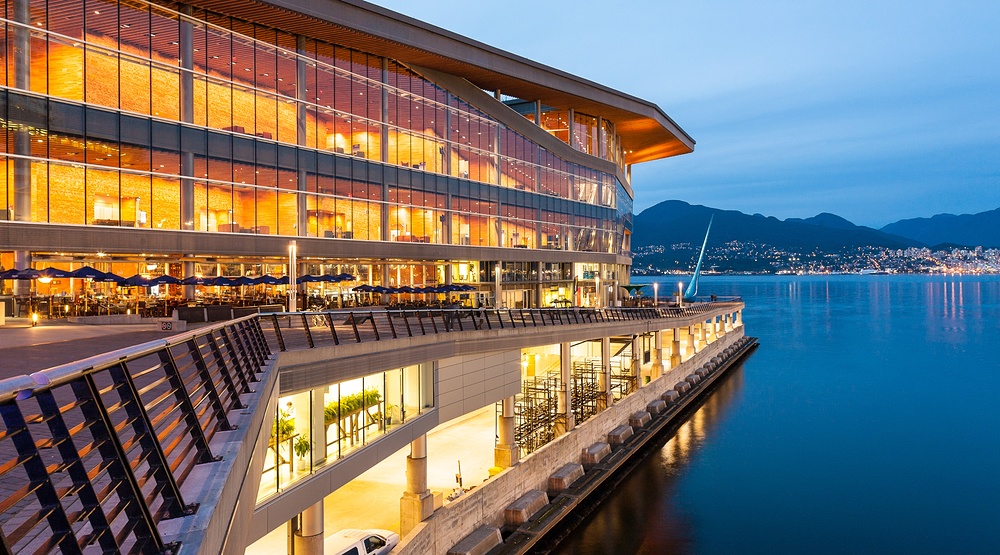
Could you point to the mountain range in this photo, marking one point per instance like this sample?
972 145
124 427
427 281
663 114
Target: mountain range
675 221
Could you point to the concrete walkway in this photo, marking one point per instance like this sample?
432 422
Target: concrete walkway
25 349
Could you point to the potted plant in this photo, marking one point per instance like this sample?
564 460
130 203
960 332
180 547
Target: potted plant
281 431
301 447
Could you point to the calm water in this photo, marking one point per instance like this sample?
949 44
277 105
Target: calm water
867 422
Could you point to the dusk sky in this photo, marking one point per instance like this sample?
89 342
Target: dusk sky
875 110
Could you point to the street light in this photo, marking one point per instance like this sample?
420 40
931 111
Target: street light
680 294
293 252
656 289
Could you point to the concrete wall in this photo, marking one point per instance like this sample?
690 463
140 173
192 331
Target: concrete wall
484 505
471 382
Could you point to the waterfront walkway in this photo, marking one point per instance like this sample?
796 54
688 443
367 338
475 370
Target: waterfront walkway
25 349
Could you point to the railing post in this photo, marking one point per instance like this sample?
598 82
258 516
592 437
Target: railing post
209 385
392 327
34 467
309 335
333 330
143 428
239 359
187 408
228 372
354 325
277 331
371 318
127 487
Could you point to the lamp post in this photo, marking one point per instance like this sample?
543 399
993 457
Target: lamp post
656 290
680 294
292 277
597 290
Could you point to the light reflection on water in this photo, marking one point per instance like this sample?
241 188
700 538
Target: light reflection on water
866 422
643 500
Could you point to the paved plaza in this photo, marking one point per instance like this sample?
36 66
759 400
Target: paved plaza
25 349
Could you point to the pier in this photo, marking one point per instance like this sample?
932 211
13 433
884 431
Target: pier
218 401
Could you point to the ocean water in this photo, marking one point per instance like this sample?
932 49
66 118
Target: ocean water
868 421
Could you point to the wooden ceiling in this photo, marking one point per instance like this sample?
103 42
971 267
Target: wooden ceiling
647 132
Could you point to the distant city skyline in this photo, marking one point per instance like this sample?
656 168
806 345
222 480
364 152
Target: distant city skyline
872 110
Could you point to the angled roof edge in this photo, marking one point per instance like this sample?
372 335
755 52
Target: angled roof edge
646 130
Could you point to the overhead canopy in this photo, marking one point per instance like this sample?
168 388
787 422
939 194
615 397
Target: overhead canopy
647 132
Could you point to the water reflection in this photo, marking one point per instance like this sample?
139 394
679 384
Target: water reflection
640 515
842 437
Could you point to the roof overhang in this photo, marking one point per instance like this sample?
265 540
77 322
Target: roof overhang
647 133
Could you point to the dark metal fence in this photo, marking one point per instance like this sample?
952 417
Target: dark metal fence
94 454
312 329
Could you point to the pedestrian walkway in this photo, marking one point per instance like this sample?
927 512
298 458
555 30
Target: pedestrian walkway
25 349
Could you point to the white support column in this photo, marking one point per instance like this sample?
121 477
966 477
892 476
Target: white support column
22 137
675 348
506 453
318 422
604 397
417 502
657 369
564 397
739 318
308 539
690 351
637 359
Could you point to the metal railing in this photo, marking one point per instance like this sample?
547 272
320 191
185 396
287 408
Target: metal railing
322 328
94 454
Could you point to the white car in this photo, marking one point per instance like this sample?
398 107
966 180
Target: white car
360 542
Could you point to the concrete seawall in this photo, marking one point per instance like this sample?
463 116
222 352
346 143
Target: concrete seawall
484 506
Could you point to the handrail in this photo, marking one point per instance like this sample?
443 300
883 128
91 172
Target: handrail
125 429
318 328
63 373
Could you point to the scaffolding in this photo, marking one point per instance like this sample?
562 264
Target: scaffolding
585 389
624 371
535 412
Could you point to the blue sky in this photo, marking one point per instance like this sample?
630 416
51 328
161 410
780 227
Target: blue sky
874 110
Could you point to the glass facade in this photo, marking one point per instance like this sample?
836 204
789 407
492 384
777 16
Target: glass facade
317 427
160 116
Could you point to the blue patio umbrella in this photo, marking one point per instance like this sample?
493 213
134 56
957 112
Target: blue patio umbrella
363 288
9 274
164 280
87 272
136 281
27 273
194 280
309 279
223 281
346 277
54 273
271 280
111 277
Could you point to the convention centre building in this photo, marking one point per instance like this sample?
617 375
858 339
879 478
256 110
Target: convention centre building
202 139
